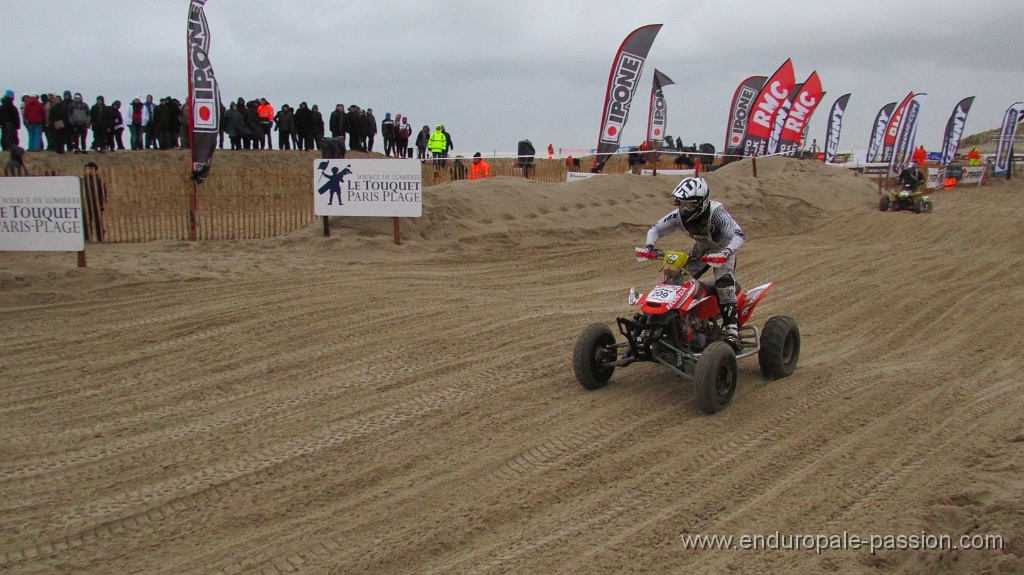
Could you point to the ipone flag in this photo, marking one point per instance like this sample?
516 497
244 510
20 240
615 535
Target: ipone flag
835 125
739 113
203 93
799 114
1014 114
892 129
622 84
955 129
906 135
776 91
658 117
878 132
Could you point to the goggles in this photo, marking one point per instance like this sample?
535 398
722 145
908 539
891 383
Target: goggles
688 204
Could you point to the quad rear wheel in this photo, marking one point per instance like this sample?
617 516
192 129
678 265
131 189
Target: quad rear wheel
594 349
780 347
714 377
919 206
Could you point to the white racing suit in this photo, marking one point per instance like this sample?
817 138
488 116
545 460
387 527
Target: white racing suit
713 230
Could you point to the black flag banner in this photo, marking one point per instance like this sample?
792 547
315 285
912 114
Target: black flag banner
835 124
1007 134
906 134
203 93
622 84
955 129
739 113
658 116
878 132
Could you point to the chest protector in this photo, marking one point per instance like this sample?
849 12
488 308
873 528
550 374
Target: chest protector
699 225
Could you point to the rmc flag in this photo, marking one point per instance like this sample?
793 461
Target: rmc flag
203 93
622 84
906 135
776 91
954 129
801 108
835 125
658 117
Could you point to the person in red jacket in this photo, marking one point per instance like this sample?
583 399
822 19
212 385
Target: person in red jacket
920 155
479 170
35 118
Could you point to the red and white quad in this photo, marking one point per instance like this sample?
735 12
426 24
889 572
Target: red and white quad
679 326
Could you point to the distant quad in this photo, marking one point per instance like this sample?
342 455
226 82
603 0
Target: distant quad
679 326
907 198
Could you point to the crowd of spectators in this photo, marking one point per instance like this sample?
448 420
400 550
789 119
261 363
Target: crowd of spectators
67 123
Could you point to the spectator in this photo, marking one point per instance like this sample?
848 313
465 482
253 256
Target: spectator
285 124
479 170
94 193
354 127
438 144
101 125
174 128
10 122
183 137
526 153
303 127
80 120
337 121
15 166
56 120
162 125
318 126
266 114
252 120
371 129
422 141
448 142
458 169
136 129
117 126
403 131
387 132
35 119
235 126
148 129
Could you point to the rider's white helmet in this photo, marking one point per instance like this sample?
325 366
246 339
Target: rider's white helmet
692 195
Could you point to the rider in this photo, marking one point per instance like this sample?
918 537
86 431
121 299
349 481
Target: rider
911 177
717 236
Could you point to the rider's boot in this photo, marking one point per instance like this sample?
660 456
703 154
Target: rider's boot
730 329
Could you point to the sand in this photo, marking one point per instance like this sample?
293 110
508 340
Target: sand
346 405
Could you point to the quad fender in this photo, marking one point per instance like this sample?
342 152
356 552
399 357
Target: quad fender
747 300
666 297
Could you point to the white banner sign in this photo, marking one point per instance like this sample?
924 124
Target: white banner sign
973 175
41 214
579 176
680 173
936 177
382 188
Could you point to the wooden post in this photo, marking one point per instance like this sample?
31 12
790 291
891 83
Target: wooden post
753 163
81 259
193 206
327 228
398 233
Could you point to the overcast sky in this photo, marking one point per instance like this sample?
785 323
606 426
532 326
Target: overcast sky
497 72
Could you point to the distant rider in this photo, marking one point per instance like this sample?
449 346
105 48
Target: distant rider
716 234
911 177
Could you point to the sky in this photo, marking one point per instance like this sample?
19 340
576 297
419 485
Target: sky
495 73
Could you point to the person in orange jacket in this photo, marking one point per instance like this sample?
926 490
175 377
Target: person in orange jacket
479 170
974 157
920 155
266 114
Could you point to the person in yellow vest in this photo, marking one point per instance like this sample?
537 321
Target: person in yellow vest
438 146
479 170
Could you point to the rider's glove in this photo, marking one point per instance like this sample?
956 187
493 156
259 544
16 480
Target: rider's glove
719 258
649 247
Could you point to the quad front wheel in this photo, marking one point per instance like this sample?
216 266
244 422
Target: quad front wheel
928 207
780 347
714 377
594 350
883 203
919 206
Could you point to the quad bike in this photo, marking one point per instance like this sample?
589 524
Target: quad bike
679 326
907 198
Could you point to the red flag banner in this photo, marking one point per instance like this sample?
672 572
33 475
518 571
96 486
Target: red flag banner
658 116
835 125
776 91
892 129
878 132
622 84
799 114
739 113
1011 118
955 129
203 93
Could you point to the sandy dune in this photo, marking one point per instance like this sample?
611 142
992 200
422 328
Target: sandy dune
345 405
